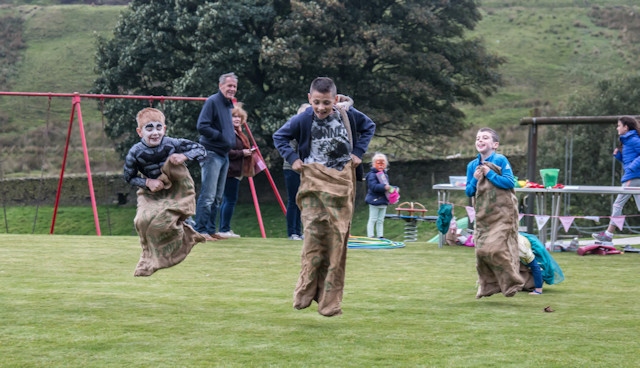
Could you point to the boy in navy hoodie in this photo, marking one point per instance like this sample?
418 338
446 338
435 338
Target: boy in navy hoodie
331 142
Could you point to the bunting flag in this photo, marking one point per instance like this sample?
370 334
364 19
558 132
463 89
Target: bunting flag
541 220
471 212
618 221
566 222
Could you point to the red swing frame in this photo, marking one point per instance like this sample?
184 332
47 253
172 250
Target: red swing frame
77 111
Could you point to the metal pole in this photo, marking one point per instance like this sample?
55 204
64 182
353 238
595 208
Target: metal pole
266 171
257 207
87 165
532 153
64 163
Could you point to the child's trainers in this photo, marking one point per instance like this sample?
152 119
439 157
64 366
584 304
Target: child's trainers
602 236
228 234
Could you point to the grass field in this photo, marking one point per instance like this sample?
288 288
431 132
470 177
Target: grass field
72 301
118 220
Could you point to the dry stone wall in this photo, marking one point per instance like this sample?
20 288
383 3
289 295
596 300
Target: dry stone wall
415 178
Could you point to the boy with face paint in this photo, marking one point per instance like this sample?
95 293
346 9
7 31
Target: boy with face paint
148 155
166 197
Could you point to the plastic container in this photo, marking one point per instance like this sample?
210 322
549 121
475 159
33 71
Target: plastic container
574 245
558 247
458 181
549 177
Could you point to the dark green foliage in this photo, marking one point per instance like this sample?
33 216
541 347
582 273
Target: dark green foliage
69 2
406 64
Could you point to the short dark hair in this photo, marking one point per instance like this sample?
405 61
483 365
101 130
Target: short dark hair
494 134
323 85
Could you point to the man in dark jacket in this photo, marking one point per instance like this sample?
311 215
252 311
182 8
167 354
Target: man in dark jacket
217 136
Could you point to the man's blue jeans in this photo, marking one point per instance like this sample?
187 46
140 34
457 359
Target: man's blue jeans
231 189
214 174
292 182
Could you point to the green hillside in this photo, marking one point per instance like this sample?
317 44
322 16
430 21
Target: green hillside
59 58
555 50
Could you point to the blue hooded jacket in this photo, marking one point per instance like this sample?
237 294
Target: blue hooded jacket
629 155
504 181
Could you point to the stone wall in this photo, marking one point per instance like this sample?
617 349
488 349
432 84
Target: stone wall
74 191
415 178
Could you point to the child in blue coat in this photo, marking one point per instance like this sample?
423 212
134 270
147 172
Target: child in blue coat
377 189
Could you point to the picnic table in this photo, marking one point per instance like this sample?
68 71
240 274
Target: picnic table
556 195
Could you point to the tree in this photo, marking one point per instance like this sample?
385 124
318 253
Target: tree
405 63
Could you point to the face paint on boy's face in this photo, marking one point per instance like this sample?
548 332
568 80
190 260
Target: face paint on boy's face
152 133
379 164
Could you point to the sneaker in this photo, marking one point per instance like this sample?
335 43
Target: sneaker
207 237
228 234
602 236
296 237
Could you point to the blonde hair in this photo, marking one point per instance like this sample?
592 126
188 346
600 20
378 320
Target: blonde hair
239 111
149 114
378 156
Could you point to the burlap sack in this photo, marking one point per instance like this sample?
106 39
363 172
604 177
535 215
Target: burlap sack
164 237
326 199
496 239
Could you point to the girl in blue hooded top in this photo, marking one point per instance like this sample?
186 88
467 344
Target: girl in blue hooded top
629 155
487 142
